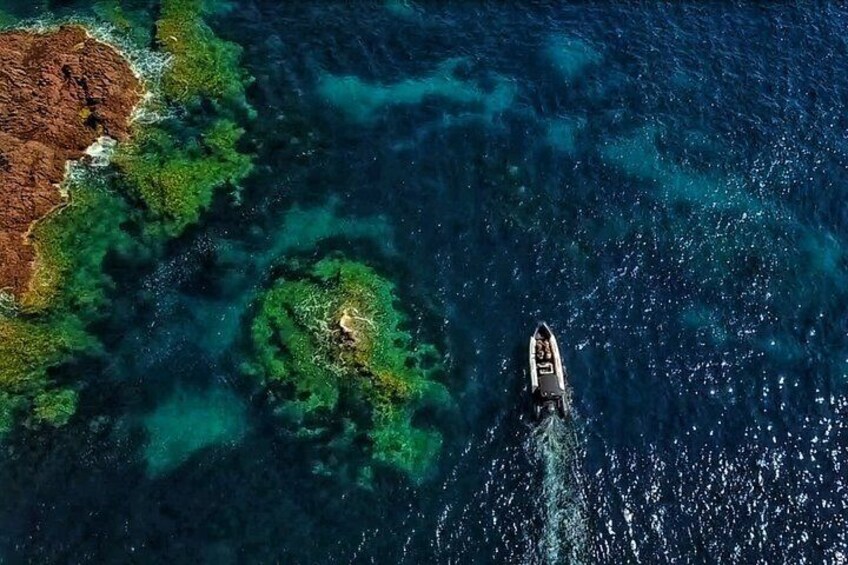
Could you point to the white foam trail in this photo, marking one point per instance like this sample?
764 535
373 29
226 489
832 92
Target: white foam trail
556 445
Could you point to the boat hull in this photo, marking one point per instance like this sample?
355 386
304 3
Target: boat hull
547 375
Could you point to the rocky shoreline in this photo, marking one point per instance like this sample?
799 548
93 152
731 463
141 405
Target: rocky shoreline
60 91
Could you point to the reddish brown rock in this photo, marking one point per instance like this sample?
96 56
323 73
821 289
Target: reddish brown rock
59 92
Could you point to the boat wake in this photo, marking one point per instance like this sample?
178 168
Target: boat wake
556 445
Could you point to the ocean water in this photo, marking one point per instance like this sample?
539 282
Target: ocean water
664 184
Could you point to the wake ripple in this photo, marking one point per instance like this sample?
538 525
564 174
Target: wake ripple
555 445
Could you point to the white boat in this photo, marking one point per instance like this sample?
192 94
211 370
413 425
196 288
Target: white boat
547 374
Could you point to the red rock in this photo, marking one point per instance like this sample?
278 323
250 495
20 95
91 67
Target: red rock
59 92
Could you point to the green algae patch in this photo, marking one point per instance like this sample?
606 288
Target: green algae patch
175 179
203 64
175 167
399 444
329 339
28 349
10 406
301 229
131 19
71 245
6 19
190 421
55 407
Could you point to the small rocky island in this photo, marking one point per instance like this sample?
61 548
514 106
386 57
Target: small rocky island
60 91
329 343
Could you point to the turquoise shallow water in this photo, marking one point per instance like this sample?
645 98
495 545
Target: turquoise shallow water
663 184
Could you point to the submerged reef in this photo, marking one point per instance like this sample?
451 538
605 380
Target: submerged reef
571 56
190 421
742 254
329 339
64 97
363 102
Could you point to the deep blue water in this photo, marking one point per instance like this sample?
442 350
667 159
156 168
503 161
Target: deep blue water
664 184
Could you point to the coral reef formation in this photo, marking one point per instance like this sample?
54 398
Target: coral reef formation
333 331
59 92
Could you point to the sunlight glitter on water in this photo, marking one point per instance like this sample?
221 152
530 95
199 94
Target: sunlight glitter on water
668 194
